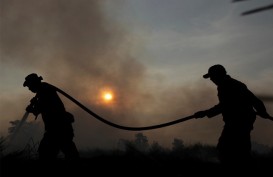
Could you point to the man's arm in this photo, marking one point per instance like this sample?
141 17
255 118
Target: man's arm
259 106
33 107
209 112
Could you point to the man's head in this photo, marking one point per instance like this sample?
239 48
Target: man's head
215 71
32 81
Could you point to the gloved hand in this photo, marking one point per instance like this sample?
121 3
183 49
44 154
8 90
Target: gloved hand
200 114
265 115
29 109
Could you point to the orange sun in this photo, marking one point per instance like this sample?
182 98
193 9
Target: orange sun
107 96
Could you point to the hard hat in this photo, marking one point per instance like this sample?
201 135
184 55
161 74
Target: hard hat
32 78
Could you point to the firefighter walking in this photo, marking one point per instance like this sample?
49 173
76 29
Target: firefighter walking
59 133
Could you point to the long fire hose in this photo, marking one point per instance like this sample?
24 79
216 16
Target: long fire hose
106 121
13 135
120 126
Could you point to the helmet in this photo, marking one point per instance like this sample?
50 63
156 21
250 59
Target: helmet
32 78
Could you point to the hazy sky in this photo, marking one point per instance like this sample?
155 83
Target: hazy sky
150 53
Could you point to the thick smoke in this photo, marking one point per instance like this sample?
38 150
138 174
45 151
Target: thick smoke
74 47
71 45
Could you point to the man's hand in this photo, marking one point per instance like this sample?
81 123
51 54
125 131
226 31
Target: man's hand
200 114
29 109
268 117
265 115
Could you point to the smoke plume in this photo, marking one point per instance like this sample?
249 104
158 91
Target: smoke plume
73 46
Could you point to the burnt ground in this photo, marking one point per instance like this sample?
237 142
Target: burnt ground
130 165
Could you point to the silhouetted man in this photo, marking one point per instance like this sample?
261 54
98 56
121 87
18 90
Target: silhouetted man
59 132
238 106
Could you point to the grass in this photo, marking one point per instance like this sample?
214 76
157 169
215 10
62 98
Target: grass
156 161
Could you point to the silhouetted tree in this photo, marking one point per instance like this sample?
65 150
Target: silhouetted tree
155 148
2 146
177 144
141 142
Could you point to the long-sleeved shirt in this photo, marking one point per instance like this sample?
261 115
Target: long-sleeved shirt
237 104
